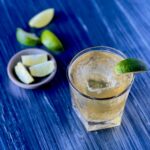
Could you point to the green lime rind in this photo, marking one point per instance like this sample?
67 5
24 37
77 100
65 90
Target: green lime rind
51 41
25 38
130 65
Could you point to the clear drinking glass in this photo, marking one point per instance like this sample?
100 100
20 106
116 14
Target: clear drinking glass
98 93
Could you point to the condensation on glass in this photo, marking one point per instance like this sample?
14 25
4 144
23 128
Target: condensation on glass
98 94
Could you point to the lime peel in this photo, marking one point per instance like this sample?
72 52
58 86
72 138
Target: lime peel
26 38
130 65
51 41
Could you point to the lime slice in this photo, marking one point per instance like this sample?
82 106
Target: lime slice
50 40
42 19
23 74
30 60
130 65
41 70
25 38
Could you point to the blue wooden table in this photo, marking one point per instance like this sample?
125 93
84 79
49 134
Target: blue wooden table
43 118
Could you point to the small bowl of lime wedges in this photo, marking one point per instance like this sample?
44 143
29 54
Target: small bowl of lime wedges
31 68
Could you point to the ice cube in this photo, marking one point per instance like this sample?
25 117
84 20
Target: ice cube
94 84
94 73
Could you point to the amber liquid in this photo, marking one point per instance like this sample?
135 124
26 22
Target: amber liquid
98 66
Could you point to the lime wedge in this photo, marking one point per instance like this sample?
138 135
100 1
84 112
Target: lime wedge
30 60
23 74
41 70
130 65
25 38
50 41
42 19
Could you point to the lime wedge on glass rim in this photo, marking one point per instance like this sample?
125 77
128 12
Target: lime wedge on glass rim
42 19
23 74
25 38
51 41
29 60
130 65
43 69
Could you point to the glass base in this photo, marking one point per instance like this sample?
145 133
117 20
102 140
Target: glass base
92 126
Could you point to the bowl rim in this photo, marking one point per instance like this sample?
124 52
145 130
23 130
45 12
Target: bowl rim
34 85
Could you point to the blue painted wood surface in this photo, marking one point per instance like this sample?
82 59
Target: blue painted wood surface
43 118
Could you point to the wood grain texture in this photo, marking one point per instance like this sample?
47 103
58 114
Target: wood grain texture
43 118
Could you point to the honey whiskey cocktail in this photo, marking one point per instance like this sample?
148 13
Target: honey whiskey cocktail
98 93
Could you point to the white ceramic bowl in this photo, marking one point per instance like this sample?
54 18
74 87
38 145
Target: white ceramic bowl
17 57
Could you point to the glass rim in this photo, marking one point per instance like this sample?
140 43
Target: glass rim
84 51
